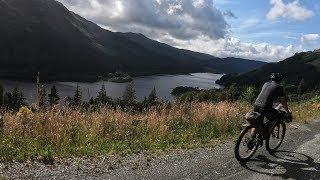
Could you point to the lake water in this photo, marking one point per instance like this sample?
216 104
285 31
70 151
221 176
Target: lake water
143 85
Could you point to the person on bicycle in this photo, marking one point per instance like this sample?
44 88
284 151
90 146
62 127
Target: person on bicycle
271 93
264 107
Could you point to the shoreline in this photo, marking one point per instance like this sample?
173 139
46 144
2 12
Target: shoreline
88 79
22 80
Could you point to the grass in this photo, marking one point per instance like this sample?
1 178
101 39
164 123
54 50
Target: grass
64 133
306 111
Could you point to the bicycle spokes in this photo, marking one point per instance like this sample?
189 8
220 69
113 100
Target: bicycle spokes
276 132
247 144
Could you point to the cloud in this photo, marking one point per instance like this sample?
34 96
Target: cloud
234 47
189 24
230 14
248 24
290 37
292 11
309 38
179 18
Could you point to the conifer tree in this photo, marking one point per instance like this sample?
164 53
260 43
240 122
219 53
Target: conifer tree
21 100
102 98
77 97
129 96
42 97
69 101
91 102
8 100
14 100
53 97
152 99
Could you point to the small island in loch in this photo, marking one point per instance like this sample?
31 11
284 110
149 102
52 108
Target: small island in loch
178 91
119 77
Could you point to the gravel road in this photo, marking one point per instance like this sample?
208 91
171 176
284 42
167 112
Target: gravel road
298 158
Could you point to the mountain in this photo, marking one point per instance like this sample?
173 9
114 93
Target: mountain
302 69
44 36
207 62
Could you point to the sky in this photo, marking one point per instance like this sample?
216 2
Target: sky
266 30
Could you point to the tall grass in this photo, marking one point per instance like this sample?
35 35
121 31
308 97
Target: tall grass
66 132
306 112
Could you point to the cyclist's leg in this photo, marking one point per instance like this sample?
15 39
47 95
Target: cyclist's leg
262 111
273 116
260 126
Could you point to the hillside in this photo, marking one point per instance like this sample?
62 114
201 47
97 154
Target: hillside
42 35
207 62
302 68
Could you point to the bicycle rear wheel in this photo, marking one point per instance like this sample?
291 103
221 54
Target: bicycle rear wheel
246 145
275 137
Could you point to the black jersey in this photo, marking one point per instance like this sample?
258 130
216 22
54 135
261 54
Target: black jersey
270 92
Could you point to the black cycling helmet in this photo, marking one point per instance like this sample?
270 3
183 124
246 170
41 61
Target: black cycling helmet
276 77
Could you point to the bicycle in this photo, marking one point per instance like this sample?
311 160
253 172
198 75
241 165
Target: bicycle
272 132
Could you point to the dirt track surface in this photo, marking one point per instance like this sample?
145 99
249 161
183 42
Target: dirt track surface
298 158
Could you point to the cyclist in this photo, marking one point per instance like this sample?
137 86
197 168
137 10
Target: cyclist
271 93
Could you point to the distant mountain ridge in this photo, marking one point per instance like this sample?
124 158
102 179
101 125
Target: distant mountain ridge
302 69
43 36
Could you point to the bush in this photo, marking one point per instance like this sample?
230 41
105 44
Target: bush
47 157
315 99
250 94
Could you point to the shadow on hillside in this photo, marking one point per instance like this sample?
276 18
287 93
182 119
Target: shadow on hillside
286 165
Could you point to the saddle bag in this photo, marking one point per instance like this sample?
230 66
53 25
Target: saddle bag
253 117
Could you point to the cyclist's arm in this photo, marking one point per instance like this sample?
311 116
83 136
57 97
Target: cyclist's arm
283 99
284 102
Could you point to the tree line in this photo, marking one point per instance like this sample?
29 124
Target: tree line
15 100
235 92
